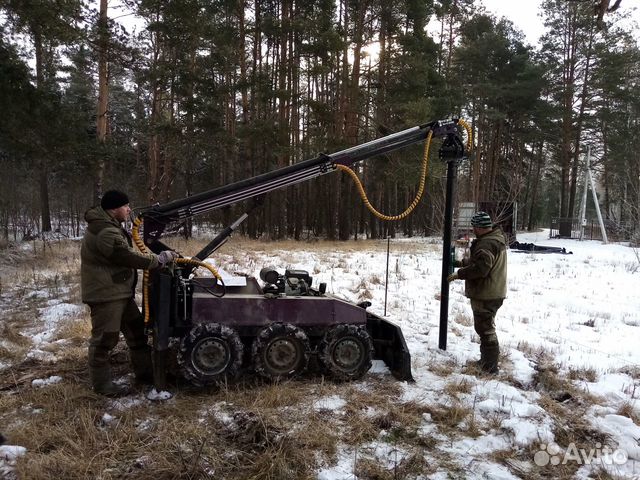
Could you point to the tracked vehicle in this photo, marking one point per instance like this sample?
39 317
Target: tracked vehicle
280 327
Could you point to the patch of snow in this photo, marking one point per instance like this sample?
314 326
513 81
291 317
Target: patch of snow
51 316
41 382
158 396
614 387
343 468
42 356
388 455
623 431
529 432
144 425
8 456
9 453
334 402
479 447
379 367
125 403
107 419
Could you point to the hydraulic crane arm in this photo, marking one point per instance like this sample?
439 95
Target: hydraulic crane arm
157 216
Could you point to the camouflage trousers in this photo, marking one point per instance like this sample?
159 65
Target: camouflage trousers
108 319
484 319
484 322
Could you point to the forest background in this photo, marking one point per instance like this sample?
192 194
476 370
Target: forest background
207 92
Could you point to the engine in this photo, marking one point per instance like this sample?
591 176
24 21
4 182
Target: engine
293 283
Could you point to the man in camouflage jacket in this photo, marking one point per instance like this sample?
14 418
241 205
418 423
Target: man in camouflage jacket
108 281
485 275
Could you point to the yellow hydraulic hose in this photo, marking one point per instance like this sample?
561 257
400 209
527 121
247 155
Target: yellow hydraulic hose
423 178
467 127
145 277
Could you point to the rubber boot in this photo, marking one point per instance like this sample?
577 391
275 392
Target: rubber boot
489 354
141 365
102 384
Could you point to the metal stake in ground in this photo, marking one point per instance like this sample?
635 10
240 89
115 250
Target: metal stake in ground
386 282
451 151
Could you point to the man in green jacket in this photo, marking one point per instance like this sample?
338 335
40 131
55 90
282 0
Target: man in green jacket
485 275
108 281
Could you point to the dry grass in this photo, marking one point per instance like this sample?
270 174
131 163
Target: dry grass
271 435
493 421
80 443
559 387
76 330
629 410
408 466
241 245
250 430
449 417
585 374
528 349
547 377
463 319
9 332
251 434
443 369
632 370
456 387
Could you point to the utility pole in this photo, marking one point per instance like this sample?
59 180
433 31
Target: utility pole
583 204
597 205
588 181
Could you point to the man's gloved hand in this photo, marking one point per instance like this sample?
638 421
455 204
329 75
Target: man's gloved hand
452 277
167 256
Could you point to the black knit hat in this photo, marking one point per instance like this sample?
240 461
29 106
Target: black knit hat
481 220
113 199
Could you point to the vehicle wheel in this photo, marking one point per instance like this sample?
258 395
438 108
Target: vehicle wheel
210 353
280 351
346 352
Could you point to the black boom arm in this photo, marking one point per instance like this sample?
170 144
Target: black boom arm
157 216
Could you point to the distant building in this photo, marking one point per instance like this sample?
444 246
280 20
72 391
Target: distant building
504 214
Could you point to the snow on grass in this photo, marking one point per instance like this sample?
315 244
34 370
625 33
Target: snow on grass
580 311
8 456
42 382
51 317
332 403
582 308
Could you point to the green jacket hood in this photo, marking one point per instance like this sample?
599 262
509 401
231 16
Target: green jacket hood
496 234
108 259
97 219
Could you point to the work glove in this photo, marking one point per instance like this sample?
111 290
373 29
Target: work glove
452 277
167 256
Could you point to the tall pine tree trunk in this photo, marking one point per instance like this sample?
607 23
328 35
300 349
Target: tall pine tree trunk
103 98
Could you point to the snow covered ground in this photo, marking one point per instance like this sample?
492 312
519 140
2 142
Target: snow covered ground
579 311
582 308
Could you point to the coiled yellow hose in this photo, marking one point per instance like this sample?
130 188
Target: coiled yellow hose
423 178
467 127
145 275
416 200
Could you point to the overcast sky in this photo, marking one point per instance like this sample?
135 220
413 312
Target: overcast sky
525 15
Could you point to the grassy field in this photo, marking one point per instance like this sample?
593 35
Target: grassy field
251 429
